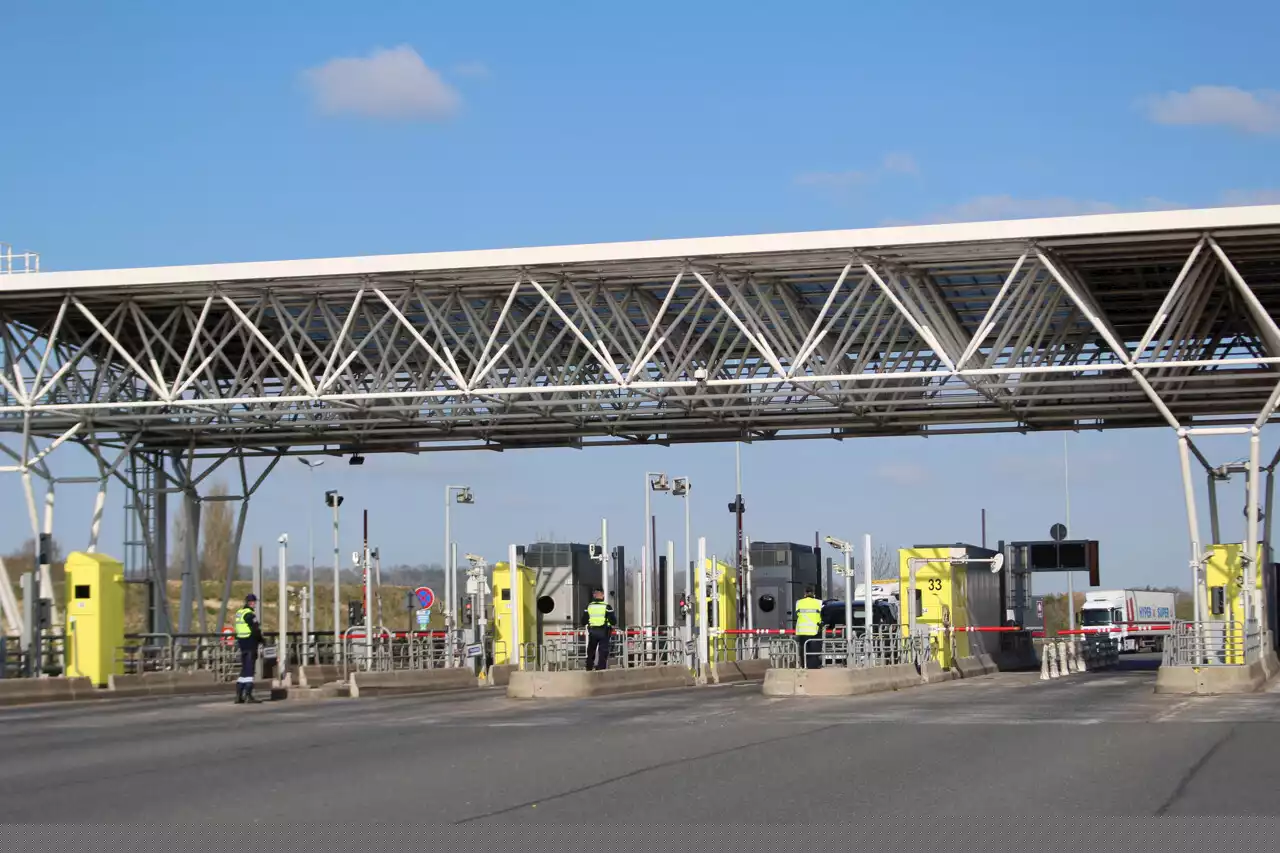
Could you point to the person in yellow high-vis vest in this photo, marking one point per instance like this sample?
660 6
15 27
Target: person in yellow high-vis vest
248 638
600 620
809 629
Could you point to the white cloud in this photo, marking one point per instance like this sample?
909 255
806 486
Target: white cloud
895 162
831 180
392 83
1244 197
1228 106
901 162
472 69
903 473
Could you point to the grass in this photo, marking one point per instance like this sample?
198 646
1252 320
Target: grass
395 614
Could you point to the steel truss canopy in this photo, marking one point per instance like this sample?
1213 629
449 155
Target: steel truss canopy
1095 322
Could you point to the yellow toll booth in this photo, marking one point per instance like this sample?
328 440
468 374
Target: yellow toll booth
1224 580
723 608
505 644
950 595
95 616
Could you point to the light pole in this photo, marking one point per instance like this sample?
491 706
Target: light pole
847 549
282 639
334 500
657 482
464 496
681 487
311 561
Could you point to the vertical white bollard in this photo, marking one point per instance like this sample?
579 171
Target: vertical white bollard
282 641
704 647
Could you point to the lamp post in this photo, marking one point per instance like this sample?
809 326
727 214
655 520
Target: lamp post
282 629
846 548
657 482
308 638
333 500
464 496
681 487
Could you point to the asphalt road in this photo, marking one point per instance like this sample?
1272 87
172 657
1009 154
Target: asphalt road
1091 744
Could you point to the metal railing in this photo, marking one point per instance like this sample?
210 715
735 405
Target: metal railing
1226 643
628 648
885 646
17 262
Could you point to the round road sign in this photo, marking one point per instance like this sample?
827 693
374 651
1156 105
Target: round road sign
1058 532
425 597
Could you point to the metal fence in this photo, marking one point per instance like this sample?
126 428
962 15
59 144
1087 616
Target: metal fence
1226 643
628 648
884 646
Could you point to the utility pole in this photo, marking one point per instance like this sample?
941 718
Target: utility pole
334 500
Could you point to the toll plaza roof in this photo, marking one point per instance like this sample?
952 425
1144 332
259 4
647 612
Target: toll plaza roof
1115 320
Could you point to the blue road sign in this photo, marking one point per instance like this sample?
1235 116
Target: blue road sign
426 597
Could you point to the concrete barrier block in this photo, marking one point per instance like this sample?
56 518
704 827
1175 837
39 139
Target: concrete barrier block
1210 680
839 681
84 689
184 683
314 675
971 667
30 691
407 682
933 673
500 675
577 684
122 686
732 672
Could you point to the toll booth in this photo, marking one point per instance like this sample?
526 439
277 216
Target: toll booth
779 573
565 574
950 593
722 608
95 616
1224 580
505 642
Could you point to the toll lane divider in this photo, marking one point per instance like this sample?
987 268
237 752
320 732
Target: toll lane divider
33 691
403 682
165 684
577 684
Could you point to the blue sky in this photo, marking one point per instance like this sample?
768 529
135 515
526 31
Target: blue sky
144 134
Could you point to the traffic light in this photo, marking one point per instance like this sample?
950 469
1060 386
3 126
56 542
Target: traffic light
355 613
332 499
467 615
683 604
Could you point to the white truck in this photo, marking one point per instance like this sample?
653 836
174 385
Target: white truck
1138 619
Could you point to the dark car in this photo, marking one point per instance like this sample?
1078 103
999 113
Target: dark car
881 614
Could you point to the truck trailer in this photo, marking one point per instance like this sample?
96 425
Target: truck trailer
1138 619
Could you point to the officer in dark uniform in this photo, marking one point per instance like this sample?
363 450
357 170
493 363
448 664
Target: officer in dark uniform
249 639
600 620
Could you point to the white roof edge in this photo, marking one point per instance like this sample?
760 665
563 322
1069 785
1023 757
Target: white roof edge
542 256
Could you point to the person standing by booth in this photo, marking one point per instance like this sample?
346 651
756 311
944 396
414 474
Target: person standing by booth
249 639
600 622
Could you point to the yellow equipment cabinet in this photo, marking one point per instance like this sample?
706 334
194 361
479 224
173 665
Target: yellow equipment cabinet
95 616
505 645
951 595
1224 579
724 609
